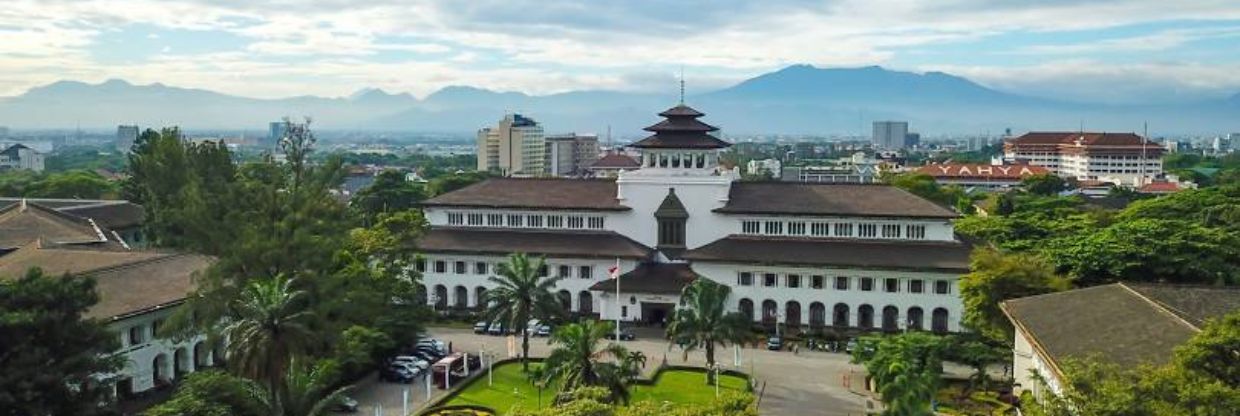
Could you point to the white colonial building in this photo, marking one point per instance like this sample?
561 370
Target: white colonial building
138 289
803 255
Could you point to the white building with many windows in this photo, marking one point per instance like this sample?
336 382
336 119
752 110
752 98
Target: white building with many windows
800 255
1121 158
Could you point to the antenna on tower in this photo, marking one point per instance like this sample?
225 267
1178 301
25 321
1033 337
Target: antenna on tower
610 147
682 85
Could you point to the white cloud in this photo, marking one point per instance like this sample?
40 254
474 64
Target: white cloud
1096 81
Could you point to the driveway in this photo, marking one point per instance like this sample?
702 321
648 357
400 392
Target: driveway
809 383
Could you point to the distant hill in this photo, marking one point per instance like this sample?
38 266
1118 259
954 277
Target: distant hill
799 99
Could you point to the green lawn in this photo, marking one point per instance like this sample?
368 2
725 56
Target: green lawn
512 389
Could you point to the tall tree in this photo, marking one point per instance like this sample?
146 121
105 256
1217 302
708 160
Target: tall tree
52 357
389 193
994 277
906 368
703 320
271 327
576 360
1045 184
522 292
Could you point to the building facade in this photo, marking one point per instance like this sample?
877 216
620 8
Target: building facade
515 147
799 256
570 154
978 176
890 134
126 135
1120 158
858 168
21 157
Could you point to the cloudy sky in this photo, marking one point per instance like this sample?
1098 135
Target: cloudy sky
1095 50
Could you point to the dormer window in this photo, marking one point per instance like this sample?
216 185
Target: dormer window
671 216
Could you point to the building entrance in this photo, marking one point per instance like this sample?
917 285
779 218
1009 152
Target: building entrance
656 313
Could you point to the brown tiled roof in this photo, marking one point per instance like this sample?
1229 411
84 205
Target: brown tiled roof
616 161
651 277
1195 304
135 288
128 282
534 193
1041 137
681 130
1114 322
799 198
110 214
851 253
20 224
595 244
681 141
1087 138
1159 188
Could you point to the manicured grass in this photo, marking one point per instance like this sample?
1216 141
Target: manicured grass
683 387
512 390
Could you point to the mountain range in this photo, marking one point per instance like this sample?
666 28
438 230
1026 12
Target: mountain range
798 99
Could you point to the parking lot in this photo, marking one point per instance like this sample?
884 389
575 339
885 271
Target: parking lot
807 383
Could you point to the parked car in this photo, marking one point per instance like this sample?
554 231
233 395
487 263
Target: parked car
431 342
496 328
480 327
774 343
543 330
625 335
345 404
420 363
431 353
425 356
852 345
396 373
413 370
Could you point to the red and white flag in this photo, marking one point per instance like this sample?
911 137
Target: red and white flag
614 271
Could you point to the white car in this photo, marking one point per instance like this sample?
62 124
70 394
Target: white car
413 369
415 361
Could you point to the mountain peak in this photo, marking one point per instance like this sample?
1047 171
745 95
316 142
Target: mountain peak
115 82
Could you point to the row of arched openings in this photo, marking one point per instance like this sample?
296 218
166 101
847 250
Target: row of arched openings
841 316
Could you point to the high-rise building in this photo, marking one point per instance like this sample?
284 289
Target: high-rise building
890 134
125 136
514 147
570 154
912 139
275 131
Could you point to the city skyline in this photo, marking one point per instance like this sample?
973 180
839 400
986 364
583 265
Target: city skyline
1116 51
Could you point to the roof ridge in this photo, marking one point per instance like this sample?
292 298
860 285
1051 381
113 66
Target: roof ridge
157 258
1177 314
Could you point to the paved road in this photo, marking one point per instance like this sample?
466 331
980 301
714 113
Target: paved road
809 383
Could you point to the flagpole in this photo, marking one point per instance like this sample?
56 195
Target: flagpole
615 274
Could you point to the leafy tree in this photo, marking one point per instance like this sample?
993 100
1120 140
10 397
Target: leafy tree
906 368
51 354
360 348
703 320
303 391
453 181
576 359
924 185
522 293
1150 249
1213 352
390 192
69 184
1045 185
271 327
210 393
977 353
994 277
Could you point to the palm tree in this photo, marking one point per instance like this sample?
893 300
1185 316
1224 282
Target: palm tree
522 293
577 358
702 321
632 365
303 392
270 327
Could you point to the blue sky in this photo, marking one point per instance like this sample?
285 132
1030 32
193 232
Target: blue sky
1099 50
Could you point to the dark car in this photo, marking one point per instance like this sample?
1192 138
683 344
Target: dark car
396 373
481 327
431 354
625 335
475 361
775 343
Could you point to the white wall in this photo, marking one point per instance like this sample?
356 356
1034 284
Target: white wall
1025 362
854 297
699 194
471 280
140 357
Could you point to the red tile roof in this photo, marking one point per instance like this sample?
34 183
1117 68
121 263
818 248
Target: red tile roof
616 161
1159 188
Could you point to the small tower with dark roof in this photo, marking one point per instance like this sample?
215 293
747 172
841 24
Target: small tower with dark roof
681 143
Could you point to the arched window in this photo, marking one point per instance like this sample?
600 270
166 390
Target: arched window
181 363
839 317
938 320
202 356
914 318
585 303
891 318
817 315
566 300
865 316
770 314
792 313
441 297
460 297
159 369
746 309
480 297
